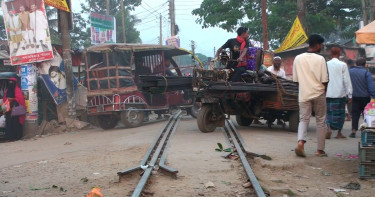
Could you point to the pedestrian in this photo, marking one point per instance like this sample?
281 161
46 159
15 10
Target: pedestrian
13 124
276 68
310 72
339 92
238 53
350 64
363 90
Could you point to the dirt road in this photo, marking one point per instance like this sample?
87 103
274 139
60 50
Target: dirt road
70 164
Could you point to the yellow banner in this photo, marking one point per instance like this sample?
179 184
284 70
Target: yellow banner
295 37
59 4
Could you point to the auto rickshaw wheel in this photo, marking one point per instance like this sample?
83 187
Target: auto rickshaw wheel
243 121
132 117
205 120
107 121
194 111
293 121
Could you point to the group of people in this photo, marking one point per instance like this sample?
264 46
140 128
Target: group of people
325 88
29 28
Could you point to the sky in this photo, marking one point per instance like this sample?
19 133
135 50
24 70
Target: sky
205 39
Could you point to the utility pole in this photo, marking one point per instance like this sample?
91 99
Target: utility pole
301 8
67 58
107 3
193 51
161 36
172 17
364 12
214 52
372 11
265 25
123 20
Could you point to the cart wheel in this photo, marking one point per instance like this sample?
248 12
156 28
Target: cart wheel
293 120
204 120
243 121
194 111
107 121
132 117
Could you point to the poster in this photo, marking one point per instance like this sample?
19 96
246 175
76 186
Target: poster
295 37
59 4
53 75
29 88
173 41
27 31
103 28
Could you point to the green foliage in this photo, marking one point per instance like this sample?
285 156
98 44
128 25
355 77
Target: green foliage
3 34
335 19
220 149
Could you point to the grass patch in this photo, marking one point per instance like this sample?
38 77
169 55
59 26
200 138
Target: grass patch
291 193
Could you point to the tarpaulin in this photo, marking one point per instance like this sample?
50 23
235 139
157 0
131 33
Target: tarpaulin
366 35
295 37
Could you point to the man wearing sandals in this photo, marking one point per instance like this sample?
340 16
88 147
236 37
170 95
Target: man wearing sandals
339 93
311 74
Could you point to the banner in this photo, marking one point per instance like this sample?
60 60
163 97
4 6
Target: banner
173 41
53 75
59 4
103 28
295 37
27 31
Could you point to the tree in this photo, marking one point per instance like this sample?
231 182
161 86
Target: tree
335 19
3 34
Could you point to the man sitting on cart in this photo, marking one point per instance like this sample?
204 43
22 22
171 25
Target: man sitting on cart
238 49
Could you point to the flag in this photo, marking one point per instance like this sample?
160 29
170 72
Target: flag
295 37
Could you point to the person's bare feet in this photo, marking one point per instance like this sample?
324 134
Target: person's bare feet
340 136
328 134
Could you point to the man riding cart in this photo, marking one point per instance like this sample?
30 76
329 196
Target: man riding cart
244 88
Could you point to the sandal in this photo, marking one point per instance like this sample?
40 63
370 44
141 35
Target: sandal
321 154
299 152
352 135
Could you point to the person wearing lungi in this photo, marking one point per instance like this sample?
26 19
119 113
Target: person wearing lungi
339 92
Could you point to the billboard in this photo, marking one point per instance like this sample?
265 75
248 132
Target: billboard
27 31
103 28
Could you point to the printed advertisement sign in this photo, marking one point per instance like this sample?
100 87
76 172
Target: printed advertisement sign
27 31
173 41
103 28
295 37
59 4
53 75
29 88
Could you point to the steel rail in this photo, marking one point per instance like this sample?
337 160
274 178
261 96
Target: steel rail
231 133
156 152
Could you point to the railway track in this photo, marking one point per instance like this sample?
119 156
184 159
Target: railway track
156 155
235 139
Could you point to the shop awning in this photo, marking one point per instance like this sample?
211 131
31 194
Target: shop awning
366 35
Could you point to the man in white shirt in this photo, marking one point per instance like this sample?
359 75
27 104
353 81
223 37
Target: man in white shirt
39 25
310 72
276 68
339 92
